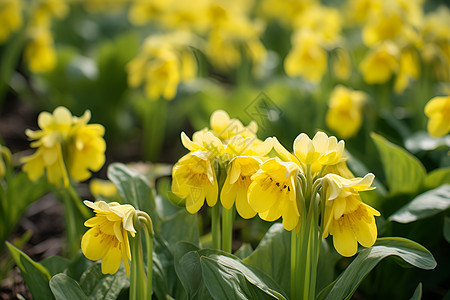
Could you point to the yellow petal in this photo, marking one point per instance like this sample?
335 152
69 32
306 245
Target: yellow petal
92 246
344 240
242 206
111 261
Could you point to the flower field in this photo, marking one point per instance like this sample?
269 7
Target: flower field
213 149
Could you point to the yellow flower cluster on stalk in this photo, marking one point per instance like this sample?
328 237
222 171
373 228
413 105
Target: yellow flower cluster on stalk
67 147
276 184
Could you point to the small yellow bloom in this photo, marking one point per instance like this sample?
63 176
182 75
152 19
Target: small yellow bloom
347 218
345 113
39 51
47 9
108 237
438 112
194 179
142 12
86 150
382 26
379 65
307 57
322 150
272 193
99 187
5 158
247 155
342 65
225 128
10 18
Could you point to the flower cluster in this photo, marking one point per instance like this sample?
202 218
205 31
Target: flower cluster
67 146
264 178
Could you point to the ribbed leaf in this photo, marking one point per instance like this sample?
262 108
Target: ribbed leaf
347 283
65 288
424 205
103 286
417 293
404 172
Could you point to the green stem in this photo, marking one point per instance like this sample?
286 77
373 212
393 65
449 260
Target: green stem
293 264
227 229
148 230
73 239
83 209
154 123
215 225
137 289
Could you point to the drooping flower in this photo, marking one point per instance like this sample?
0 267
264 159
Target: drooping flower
39 51
248 154
10 18
272 193
345 113
438 112
409 69
108 237
225 128
347 218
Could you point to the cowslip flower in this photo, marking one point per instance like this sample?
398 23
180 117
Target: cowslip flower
409 69
342 65
438 112
225 128
380 64
107 239
307 57
345 111
10 18
105 188
86 150
272 193
45 10
248 154
347 218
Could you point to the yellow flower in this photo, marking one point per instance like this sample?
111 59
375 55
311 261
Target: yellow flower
163 62
379 65
438 111
108 237
360 10
385 25
247 155
322 150
307 57
194 179
102 187
272 193
142 12
39 51
347 218
345 115
10 18
55 129
102 6
65 144
225 128
86 150
409 69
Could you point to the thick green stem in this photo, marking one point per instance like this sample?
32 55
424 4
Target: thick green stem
148 230
293 264
73 239
215 225
227 229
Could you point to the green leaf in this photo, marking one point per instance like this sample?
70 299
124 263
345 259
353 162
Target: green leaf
65 288
103 286
55 264
244 251
35 275
183 226
227 277
347 283
417 293
190 273
273 255
404 172
424 205
134 189
447 229
437 177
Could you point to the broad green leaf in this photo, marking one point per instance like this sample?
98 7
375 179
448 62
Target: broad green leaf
55 264
437 177
227 277
273 255
447 229
135 189
347 283
424 205
35 275
417 293
182 226
190 272
97 285
404 172
65 288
